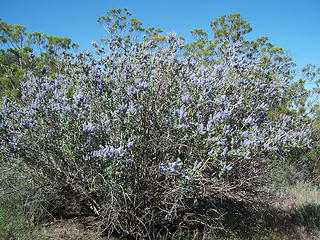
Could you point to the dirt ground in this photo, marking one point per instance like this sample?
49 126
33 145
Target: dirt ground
81 228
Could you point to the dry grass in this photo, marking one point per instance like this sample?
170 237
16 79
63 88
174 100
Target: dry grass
293 201
305 193
84 228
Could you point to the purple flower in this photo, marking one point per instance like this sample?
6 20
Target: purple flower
120 151
129 161
171 166
226 168
249 120
121 107
184 125
185 98
78 97
221 141
197 164
201 129
224 153
163 168
131 90
248 143
247 156
142 84
130 144
244 134
209 124
181 112
88 127
86 157
174 166
226 129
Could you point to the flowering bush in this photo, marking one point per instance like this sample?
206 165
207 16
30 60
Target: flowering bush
146 139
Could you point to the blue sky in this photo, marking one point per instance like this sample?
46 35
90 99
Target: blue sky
293 25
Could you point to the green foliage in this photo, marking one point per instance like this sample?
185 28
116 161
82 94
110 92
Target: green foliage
14 224
232 29
22 52
299 98
127 31
21 203
311 161
309 215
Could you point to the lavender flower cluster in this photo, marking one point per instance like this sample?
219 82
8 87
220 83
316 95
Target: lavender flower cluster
148 103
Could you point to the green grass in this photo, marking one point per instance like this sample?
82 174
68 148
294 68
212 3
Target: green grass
20 212
14 223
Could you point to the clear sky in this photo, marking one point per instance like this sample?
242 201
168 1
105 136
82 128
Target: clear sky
293 25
